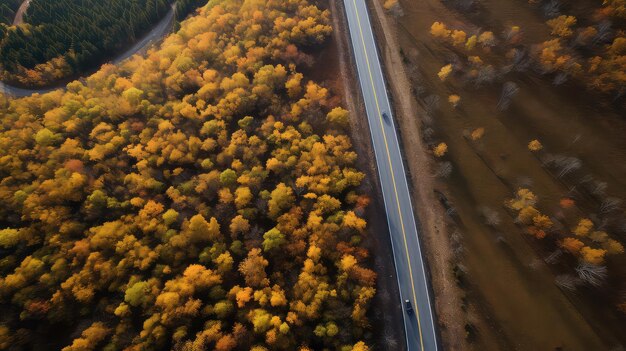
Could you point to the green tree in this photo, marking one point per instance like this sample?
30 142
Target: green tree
273 239
137 294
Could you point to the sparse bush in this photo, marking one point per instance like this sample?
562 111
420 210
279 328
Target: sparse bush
460 272
535 145
431 103
440 150
470 332
454 100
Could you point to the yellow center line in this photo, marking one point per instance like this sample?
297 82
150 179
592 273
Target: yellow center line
393 179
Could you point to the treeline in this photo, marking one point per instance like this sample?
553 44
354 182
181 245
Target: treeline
8 8
184 7
63 37
204 197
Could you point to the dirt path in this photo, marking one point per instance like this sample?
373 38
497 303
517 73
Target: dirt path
430 213
19 15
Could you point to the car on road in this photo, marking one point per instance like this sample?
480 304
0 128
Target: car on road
408 307
386 117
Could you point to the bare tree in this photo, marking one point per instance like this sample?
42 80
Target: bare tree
521 60
431 103
554 257
457 243
592 274
567 282
444 169
568 165
564 164
456 236
486 75
428 135
551 8
560 79
451 212
458 250
491 216
389 340
605 33
599 188
596 187
509 90
609 205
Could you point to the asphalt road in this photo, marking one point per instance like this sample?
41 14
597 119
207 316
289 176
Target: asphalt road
412 280
157 32
19 15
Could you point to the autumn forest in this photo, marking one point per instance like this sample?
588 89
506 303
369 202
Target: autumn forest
202 196
307 175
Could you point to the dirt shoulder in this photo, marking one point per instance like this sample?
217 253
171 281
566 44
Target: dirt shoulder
387 314
431 214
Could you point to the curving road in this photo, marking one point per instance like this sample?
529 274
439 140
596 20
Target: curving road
19 15
157 32
411 274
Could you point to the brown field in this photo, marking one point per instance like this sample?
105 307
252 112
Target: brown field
511 300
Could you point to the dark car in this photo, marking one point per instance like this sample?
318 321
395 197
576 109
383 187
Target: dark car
386 117
408 307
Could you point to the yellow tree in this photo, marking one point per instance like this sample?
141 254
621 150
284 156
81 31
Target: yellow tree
281 199
561 26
